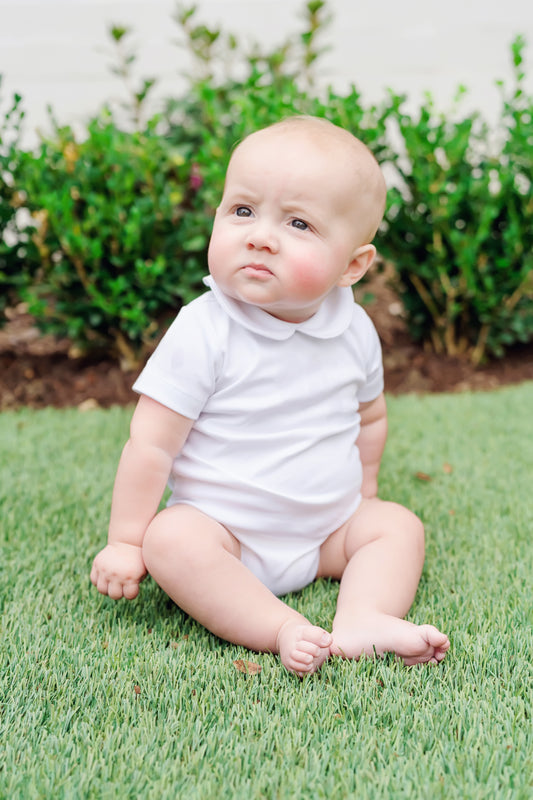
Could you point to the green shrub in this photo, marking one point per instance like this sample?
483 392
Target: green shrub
233 92
112 234
459 226
122 219
15 272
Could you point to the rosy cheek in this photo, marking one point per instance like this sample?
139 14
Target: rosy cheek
308 277
219 247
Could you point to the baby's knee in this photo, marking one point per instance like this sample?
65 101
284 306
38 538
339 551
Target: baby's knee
414 528
187 536
405 523
159 540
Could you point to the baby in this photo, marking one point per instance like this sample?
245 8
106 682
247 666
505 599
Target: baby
263 408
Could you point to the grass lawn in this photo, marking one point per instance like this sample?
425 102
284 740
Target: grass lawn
100 699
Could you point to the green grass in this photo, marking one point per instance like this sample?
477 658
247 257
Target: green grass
133 699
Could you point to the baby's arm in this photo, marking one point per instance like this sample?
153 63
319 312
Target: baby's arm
157 435
371 442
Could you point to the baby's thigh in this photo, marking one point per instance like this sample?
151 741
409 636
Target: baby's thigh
373 519
183 529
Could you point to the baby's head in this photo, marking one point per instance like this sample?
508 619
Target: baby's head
343 160
302 201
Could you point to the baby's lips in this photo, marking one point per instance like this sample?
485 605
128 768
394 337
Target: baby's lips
257 270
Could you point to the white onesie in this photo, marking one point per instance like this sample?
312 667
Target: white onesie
271 454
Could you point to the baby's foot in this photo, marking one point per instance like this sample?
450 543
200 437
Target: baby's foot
303 648
380 633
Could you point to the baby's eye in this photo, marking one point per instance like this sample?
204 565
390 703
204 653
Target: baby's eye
299 224
243 211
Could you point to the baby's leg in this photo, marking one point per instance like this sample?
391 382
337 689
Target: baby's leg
196 561
378 555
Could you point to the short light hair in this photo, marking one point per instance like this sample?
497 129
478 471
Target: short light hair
366 170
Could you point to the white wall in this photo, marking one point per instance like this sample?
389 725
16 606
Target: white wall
57 51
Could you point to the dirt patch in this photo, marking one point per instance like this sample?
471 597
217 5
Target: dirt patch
36 371
411 368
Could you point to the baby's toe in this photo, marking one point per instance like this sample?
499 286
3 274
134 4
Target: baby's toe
307 648
302 656
301 666
306 658
316 636
303 648
434 637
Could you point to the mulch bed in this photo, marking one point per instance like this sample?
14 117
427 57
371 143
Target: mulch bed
36 371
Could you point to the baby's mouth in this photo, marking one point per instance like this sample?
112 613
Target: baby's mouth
257 270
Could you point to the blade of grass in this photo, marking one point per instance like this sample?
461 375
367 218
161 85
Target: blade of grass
103 700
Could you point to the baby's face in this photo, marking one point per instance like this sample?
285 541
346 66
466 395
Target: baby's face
285 231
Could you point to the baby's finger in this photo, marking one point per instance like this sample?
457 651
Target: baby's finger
130 590
115 590
101 583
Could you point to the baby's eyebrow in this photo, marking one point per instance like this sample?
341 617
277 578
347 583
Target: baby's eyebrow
240 193
299 209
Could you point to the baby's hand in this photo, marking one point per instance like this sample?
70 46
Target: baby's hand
118 570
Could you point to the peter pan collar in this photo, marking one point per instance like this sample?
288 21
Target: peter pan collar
332 318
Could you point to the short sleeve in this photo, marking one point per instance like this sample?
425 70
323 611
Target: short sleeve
181 373
374 384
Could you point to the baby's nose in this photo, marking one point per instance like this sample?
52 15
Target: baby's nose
262 237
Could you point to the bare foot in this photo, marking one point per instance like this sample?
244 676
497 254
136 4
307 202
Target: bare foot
303 648
380 633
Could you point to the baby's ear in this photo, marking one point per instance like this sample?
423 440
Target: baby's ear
361 262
